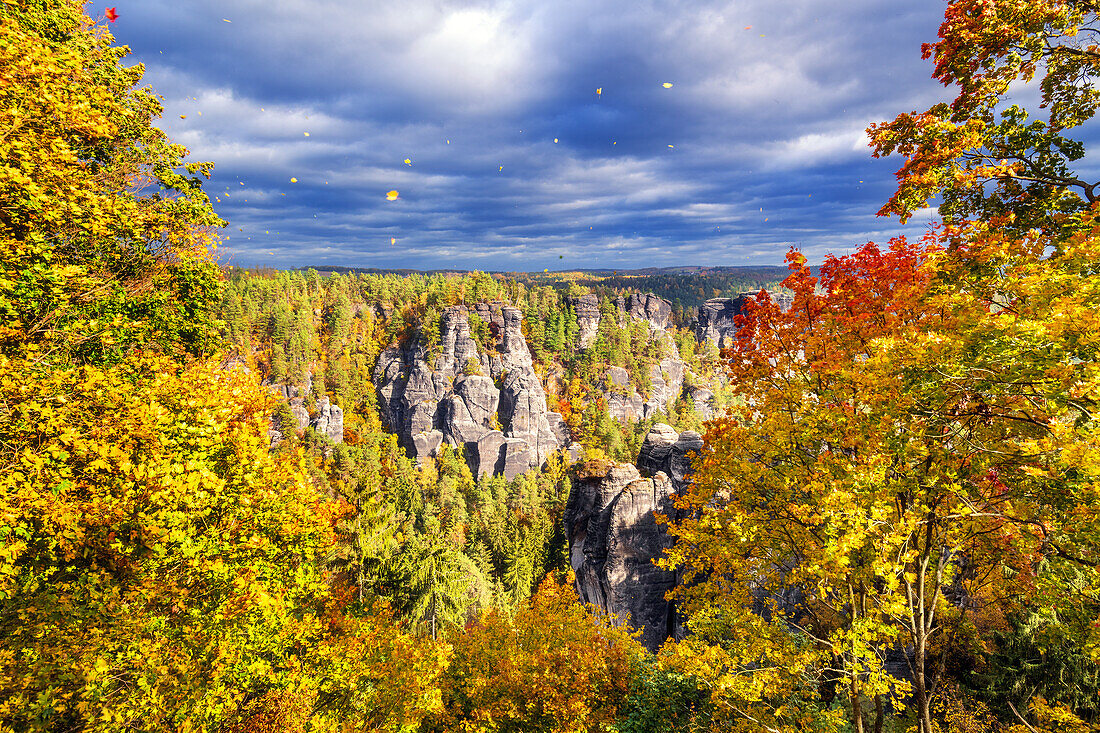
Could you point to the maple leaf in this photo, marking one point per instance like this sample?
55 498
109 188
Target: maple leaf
112 16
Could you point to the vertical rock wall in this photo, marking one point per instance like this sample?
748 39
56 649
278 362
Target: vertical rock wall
614 538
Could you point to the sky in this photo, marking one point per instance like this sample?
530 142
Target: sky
524 135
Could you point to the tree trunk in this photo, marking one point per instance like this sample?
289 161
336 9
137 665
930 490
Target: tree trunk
879 713
857 705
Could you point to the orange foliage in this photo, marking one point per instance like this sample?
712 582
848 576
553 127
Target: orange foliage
553 667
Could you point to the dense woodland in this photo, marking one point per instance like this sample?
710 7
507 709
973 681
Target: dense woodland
893 525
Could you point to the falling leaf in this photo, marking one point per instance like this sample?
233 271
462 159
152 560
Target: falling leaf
555 139
293 180
391 195
112 16
227 20
546 269
670 146
599 91
667 85
448 142
748 27
306 134
393 241
408 161
183 117
500 169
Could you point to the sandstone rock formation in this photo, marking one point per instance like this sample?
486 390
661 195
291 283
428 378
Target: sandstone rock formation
328 419
703 399
649 307
587 308
666 384
614 538
668 452
499 415
716 320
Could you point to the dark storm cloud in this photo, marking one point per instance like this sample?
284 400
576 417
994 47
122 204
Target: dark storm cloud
757 146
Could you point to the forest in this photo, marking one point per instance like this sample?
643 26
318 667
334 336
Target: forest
240 499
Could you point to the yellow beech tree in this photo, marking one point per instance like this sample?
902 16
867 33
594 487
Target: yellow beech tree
104 228
160 567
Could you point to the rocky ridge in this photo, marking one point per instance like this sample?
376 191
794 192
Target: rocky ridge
716 319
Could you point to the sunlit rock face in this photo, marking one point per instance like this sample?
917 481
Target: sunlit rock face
587 309
613 539
649 307
328 420
716 320
492 403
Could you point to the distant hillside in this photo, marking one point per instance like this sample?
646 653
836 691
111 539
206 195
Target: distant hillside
685 286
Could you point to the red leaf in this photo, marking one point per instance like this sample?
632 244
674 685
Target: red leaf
111 15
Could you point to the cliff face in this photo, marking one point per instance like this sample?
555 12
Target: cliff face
649 307
614 538
497 411
716 319
587 308
666 384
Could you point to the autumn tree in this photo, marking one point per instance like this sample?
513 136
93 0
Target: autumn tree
983 157
915 438
551 667
160 568
106 229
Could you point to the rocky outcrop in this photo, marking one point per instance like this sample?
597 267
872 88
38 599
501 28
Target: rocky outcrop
499 415
667 452
716 320
587 308
329 420
624 403
666 384
614 537
649 307
613 540
703 401
470 411
654 454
